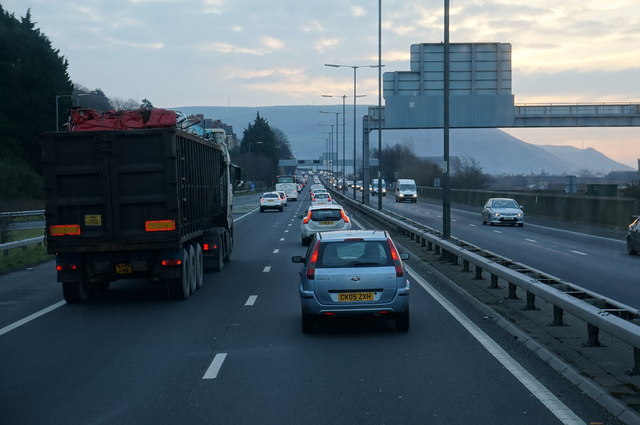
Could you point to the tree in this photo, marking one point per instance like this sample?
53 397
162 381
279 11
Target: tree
400 161
259 151
33 75
468 175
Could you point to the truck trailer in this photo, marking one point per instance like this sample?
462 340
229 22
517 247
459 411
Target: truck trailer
149 201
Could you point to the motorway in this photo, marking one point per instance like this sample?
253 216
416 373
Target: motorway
234 353
593 258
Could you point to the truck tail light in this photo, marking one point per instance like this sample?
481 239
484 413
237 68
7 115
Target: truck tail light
397 262
170 262
66 267
209 246
64 230
159 225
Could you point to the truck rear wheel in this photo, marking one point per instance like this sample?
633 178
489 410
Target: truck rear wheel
219 260
199 267
192 270
75 292
180 287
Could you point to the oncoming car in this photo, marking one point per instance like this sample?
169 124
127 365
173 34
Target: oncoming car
352 273
271 200
322 218
633 237
502 211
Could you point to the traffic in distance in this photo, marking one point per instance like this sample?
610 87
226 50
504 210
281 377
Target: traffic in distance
262 322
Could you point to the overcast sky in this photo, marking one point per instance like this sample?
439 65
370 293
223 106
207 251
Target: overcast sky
262 53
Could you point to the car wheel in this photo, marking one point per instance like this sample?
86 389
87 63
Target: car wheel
403 321
281 209
261 209
520 224
630 249
308 324
491 223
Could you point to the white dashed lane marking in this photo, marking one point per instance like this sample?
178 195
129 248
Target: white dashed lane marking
251 300
267 269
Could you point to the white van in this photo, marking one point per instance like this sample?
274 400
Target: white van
406 190
374 187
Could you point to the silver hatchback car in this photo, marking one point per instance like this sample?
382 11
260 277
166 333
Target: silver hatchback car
358 272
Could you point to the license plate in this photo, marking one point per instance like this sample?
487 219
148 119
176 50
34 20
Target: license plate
123 268
326 223
356 296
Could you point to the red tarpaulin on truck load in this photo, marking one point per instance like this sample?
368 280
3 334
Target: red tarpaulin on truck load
85 119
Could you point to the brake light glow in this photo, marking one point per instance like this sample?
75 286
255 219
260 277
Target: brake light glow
66 267
307 218
171 262
313 260
64 230
344 216
395 256
160 225
209 247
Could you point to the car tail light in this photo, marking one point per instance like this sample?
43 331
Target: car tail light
307 218
344 216
313 260
395 255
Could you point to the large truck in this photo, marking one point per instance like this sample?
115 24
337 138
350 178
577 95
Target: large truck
152 202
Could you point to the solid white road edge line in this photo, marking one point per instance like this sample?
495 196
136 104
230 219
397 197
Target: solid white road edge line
251 300
214 367
546 397
31 317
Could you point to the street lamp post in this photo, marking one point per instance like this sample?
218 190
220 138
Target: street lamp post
58 96
337 165
355 68
344 158
330 163
250 177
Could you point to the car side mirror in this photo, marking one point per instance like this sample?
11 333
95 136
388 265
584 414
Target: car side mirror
521 207
297 259
404 256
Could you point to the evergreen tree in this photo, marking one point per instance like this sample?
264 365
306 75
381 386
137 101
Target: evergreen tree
33 74
259 151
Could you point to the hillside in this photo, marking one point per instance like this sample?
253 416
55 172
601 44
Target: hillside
496 151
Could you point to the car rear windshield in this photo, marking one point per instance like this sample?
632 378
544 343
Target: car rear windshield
354 254
270 195
325 214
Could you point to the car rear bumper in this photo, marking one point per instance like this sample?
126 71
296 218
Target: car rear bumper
311 305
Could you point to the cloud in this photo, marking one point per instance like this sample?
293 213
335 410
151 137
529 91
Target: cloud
226 48
321 45
272 43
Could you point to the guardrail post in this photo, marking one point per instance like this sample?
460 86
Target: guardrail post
478 273
557 316
423 242
592 336
429 246
531 301
437 250
465 265
512 291
494 282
